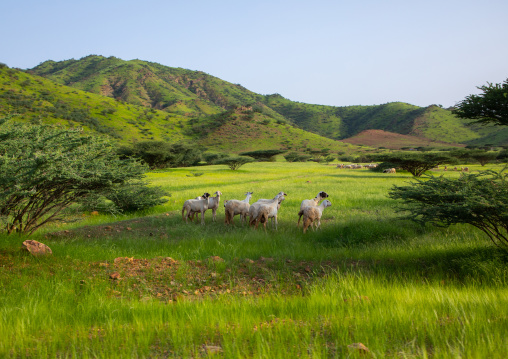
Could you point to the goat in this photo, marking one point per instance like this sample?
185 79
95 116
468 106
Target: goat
312 214
234 207
268 210
186 205
312 203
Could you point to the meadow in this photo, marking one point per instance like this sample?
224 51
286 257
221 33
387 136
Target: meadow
148 285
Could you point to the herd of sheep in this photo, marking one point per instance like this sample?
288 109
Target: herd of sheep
258 212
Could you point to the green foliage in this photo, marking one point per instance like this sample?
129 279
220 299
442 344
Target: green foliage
263 155
480 200
483 157
212 158
296 157
490 107
135 196
414 163
43 169
160 154
235 162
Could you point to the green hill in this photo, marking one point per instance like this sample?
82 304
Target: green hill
36 98
199 97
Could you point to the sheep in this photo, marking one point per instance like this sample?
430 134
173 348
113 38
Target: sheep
268 210
389 170
213 204
313 214
465 169
234 207
193 206
186 205
254 208
311 203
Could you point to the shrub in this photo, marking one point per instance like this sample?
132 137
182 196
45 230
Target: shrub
136 196
44 169
480 200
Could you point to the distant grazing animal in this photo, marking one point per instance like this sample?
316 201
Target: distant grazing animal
389 170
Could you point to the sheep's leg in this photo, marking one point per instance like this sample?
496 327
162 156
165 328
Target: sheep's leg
203 218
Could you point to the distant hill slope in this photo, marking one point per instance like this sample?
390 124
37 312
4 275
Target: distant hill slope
394 141
37 98
195 94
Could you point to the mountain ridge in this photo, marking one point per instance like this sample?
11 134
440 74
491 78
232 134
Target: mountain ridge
196 96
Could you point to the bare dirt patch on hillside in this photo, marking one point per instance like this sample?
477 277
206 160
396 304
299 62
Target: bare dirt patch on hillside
394 141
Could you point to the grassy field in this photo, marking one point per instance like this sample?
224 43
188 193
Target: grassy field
147 285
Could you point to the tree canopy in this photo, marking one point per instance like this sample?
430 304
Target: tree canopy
43 169
489 107
480 200
414 163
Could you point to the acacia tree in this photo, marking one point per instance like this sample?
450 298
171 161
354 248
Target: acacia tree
43 169
490 107
235 162
414 163
480 200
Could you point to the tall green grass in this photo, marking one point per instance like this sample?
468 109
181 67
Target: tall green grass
403 290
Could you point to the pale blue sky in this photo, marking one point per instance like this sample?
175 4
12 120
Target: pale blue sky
338 53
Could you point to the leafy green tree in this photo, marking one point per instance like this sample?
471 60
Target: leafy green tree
490 107
160 154
235 162
483 157
263 155
43 169
480 200
415 163
296 157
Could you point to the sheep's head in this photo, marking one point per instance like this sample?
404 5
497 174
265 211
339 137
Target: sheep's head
326 203
218 193
206 195
323 194
249 193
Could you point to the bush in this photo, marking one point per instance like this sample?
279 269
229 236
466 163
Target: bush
44 169
235 162
480 200
160 154
296 157
136 196
263 155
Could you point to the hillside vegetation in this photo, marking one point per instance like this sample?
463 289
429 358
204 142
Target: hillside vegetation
35 98
196 94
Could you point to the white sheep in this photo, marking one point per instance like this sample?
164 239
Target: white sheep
186 205
389 170
267 211
313 214
254 208
234 207
213 204
195 205
311 203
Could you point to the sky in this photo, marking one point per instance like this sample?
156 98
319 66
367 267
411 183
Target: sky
339 53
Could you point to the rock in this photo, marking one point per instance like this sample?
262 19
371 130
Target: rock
360 347
36 248
115 276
